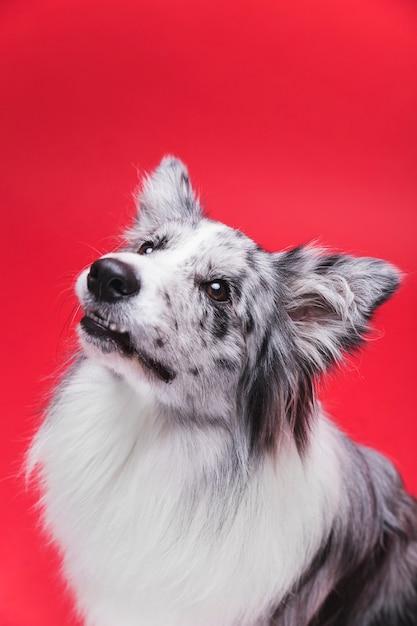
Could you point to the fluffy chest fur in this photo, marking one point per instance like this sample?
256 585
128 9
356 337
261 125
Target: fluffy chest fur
158 522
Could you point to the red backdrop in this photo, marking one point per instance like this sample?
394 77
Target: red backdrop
297 119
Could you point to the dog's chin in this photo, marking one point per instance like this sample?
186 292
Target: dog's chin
108 337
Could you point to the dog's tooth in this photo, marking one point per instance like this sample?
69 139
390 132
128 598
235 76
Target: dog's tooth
113 326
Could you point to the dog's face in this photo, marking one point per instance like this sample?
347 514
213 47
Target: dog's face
215 327
172 309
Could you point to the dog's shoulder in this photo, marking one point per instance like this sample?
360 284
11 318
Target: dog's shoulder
366 571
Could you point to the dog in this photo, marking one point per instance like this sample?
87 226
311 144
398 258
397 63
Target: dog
189 475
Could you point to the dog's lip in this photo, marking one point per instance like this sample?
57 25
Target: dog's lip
105 324
103 329
96 326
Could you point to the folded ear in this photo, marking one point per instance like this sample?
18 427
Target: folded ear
167 195
330 299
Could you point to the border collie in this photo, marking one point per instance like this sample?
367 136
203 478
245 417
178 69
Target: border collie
188 473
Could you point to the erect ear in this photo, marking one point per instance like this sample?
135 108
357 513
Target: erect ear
167 195
330 299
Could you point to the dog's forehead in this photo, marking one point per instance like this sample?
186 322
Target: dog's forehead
215 241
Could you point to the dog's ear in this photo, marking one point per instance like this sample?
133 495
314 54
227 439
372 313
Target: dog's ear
166 195
323 306
330 299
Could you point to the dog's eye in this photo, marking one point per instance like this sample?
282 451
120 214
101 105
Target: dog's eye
217 290
146 248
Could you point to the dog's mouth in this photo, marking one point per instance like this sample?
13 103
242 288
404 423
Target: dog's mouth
107 331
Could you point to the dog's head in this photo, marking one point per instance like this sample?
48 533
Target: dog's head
218 330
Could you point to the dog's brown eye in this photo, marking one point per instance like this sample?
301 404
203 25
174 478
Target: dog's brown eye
146 248
217 290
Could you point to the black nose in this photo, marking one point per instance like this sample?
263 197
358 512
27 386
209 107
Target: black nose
110 280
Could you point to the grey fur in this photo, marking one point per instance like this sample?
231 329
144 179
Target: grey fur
243 370
366 572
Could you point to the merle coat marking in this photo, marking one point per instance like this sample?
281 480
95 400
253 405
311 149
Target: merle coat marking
189 475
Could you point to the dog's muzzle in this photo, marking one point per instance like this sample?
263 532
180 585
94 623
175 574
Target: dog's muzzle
110 281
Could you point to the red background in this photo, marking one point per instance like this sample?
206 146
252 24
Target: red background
297 119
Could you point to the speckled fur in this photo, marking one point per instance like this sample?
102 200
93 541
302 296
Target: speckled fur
222 495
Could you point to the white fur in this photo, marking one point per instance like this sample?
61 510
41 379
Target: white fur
116 489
